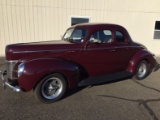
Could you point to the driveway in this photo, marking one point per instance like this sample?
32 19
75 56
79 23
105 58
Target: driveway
121 100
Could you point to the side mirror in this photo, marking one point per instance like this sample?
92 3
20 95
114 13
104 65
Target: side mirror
92 40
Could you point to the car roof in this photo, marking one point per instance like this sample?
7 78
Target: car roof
91 26
95 25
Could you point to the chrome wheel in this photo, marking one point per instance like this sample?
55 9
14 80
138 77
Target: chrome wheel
142 71
52 88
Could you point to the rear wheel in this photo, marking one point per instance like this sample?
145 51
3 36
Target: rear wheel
51 88
142 70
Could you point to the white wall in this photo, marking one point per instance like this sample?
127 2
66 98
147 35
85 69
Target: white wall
40 20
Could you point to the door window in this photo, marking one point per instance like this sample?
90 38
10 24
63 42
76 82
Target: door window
102 36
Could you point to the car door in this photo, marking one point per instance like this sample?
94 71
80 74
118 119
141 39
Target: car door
99 55
124 51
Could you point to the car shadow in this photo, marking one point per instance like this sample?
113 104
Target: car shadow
71 92
140 102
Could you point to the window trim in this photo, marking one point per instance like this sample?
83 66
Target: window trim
72 16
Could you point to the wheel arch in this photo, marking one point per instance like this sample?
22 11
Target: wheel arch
137 58
36 70
67 82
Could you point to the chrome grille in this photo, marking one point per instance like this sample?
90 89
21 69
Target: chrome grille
10 66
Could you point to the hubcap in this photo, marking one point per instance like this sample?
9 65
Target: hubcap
142 70
52 88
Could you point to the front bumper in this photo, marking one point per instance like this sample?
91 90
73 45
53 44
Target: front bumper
6 84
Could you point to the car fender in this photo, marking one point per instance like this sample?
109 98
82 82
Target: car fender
138 57
36 69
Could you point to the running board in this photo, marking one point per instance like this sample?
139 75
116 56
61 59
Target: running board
105 78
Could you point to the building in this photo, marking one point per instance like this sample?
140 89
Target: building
40 20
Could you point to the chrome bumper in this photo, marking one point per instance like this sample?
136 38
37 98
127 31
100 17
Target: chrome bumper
6 84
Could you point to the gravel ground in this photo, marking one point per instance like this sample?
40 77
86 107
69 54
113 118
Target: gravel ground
122 100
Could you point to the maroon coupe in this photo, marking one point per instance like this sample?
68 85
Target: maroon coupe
87 54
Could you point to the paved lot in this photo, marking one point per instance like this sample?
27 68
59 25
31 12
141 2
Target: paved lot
122 100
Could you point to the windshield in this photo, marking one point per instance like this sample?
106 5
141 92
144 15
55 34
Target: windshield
75 35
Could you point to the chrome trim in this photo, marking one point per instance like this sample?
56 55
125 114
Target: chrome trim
114 47
37 51
20 69
10 67
5 83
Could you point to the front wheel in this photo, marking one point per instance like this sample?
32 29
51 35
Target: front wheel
142 70
51 88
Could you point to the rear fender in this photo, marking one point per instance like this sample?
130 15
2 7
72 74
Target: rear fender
36 69
137 58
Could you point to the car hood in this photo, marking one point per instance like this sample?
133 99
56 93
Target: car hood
38 49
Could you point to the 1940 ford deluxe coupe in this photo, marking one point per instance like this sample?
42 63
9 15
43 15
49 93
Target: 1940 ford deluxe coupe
87 54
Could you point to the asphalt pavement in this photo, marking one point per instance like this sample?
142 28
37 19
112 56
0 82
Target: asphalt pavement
121 100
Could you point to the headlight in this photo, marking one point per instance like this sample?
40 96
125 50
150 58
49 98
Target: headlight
20 69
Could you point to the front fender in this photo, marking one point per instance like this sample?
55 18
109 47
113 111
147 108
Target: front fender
36 69
138 57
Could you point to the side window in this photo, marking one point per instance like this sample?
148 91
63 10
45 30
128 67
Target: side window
78 20
102 36
119 37
157 30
